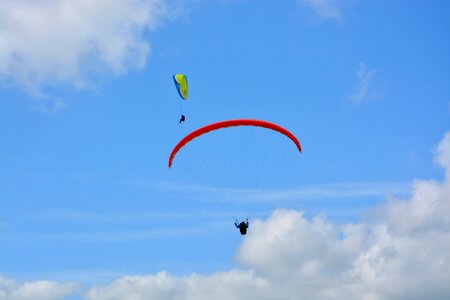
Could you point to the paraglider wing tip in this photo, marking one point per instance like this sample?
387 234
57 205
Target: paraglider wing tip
297 143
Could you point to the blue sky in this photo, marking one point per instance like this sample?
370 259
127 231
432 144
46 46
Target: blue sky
89 115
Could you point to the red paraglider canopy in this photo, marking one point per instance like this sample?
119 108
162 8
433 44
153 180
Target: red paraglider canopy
232 123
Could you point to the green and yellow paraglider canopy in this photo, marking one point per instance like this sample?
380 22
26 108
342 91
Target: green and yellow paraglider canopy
181 84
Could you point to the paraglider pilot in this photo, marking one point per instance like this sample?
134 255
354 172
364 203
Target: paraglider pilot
242 226
182 119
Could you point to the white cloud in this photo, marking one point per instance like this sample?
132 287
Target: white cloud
128 216
442 157
316 191
402 253
47 43
363 87
325 9
336 190
227 285
110 236
36 290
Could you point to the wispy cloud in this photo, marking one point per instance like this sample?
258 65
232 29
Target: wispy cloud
322 191
127 216
363 87
325 9
107 236
338 190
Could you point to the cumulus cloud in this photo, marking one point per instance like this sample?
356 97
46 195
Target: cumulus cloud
442 158
36 290
227 285
48 43
400 253
363 86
